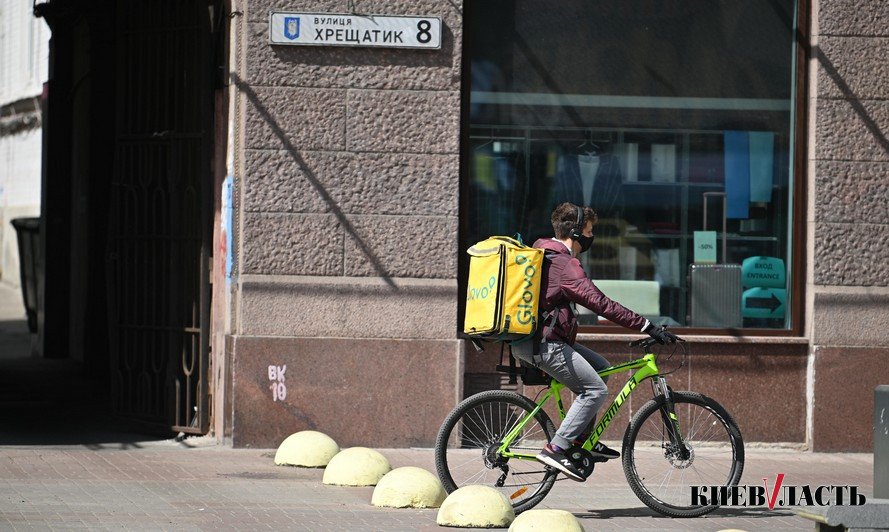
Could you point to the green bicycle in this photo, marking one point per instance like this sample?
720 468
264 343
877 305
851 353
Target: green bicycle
673 442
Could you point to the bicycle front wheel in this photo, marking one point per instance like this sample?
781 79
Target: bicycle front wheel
466 448
661 474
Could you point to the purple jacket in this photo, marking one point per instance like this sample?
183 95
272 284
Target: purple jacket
564 282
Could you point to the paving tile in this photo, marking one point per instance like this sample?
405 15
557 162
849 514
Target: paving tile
164 486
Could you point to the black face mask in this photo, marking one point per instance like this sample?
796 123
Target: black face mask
585 242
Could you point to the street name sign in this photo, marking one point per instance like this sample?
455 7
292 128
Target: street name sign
377 31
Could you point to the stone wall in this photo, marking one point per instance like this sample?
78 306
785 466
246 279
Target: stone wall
346 237
347 240
849 219
761 382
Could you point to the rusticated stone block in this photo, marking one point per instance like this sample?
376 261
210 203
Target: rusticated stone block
749 380
737 375
451 12
418 122
363 183
853 67
258 10
416 246
301 244
306 119
741 377
348 67
349 307
849 191
853 17
852 130
345 388
852 319
845 378
852 254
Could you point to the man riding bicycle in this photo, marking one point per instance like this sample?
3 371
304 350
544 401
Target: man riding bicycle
564 282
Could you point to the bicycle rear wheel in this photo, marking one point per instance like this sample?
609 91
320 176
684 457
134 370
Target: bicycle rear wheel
466 448
656 469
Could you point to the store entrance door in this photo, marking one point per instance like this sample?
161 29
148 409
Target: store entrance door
160 214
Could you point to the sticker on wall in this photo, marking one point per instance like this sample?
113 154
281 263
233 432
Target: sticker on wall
279 389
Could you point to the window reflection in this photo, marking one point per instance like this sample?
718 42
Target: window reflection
645 111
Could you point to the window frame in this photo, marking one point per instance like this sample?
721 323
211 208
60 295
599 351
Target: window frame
798 233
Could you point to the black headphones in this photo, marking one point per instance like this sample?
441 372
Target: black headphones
577 232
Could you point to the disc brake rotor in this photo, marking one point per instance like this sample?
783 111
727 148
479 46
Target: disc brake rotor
673 456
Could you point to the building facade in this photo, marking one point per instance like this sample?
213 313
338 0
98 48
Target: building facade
737 158
23 61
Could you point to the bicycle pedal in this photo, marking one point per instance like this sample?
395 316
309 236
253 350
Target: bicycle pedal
583 459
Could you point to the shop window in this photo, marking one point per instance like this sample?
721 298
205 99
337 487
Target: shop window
673 120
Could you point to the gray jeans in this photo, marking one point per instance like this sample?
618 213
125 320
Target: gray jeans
575 367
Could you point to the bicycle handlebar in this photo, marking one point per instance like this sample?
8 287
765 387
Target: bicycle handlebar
646 343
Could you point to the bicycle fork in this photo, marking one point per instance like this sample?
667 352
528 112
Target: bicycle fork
670 419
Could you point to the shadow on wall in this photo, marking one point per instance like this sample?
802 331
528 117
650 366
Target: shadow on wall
313 179
852 98
831 70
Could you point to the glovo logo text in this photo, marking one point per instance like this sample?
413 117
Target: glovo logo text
483 292
528 307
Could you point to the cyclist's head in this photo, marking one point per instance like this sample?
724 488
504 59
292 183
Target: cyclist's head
564 219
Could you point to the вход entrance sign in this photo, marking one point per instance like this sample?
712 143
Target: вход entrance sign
325 29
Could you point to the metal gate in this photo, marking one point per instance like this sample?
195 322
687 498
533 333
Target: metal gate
160 215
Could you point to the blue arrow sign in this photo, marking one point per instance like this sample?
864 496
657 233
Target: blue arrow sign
764 303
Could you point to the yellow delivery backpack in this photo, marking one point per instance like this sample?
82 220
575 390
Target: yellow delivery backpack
504 289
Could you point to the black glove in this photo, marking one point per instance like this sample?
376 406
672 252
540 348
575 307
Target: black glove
660 334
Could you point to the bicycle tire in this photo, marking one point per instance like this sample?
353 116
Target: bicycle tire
695 412
469 411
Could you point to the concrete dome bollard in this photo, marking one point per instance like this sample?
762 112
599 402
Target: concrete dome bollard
356 466
307 448
476 507
409 487
545 521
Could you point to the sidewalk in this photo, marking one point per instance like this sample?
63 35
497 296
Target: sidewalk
46 400
198 485
134 483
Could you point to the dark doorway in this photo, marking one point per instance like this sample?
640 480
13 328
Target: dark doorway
159 225
128 202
